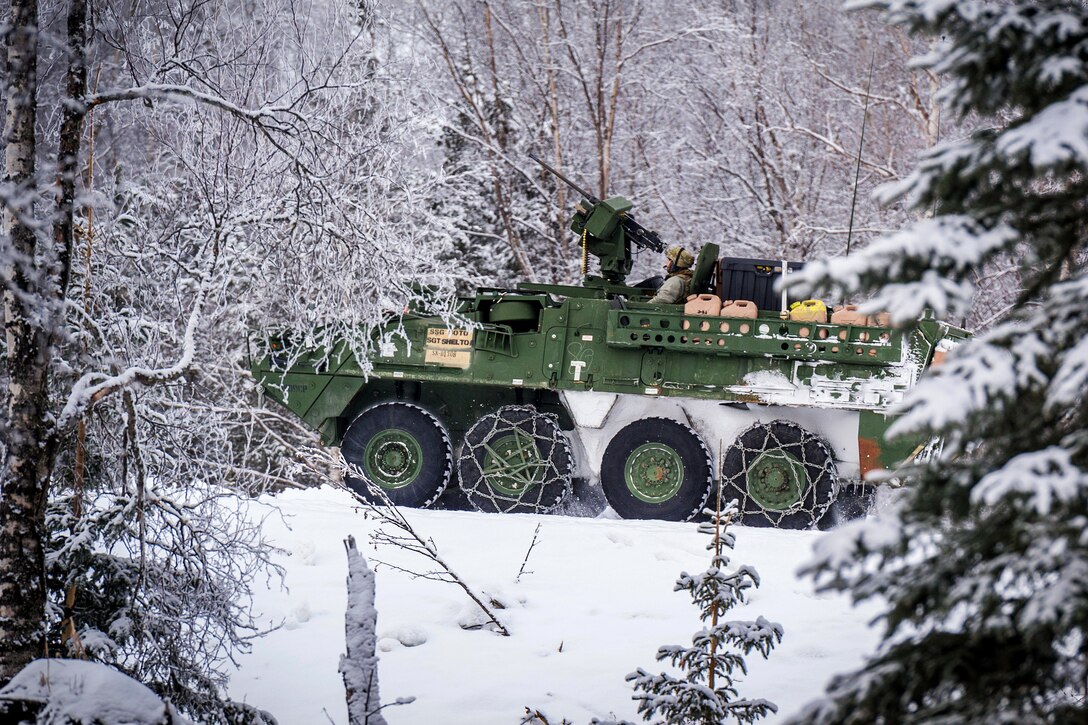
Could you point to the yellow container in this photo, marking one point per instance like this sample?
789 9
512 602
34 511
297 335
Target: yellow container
808 311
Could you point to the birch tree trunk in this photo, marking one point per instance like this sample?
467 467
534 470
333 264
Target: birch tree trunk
27 460
71 140
33 308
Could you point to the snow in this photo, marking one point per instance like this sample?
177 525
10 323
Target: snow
594 604
1069 383
589 408
1056 135
85 693
1044 476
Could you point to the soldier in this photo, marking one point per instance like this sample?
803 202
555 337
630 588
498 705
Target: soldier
677 285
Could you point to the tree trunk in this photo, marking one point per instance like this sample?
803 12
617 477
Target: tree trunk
30 321
71 139
359 666
26 466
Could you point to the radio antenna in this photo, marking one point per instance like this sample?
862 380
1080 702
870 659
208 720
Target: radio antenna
861 146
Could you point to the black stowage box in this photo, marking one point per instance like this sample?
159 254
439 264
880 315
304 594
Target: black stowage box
753 279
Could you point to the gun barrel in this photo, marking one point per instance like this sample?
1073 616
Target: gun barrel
642 236
634 231
592 199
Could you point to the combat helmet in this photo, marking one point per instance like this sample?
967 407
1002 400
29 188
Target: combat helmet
679 258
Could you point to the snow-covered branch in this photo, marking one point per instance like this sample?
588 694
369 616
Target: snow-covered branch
93 387
927 266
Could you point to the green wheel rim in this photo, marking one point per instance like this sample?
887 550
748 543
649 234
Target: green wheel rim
654 472
512 464
777 480
393 458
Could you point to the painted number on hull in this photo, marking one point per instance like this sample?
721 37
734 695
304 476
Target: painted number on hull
451 348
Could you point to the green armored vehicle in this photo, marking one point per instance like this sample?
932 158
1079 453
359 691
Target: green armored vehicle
534 387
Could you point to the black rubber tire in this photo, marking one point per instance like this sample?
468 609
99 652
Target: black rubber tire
437 458
696 484
803 445
553 450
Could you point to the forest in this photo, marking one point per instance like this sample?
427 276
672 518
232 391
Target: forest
183 178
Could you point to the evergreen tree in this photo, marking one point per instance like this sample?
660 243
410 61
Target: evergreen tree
474 241
707 692
983 558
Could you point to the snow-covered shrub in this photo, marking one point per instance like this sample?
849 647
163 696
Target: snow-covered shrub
82 693
156 582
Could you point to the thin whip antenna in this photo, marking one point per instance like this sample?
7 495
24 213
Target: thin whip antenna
936 141
861 146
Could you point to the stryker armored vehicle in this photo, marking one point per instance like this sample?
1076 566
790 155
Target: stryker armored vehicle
532 387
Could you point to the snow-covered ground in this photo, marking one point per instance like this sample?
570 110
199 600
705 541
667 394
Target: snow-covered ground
594 603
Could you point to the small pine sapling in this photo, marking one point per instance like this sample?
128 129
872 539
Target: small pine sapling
707 692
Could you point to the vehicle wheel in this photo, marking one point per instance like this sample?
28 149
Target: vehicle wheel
781 474
657 468
402 449
516 460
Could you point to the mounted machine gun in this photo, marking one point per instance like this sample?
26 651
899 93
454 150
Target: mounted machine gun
607 230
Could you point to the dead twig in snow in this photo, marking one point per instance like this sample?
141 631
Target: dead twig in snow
395 530
536 534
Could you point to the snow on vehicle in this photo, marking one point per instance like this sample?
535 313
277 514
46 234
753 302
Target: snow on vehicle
544 383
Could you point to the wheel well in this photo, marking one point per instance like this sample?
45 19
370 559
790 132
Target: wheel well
456 406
